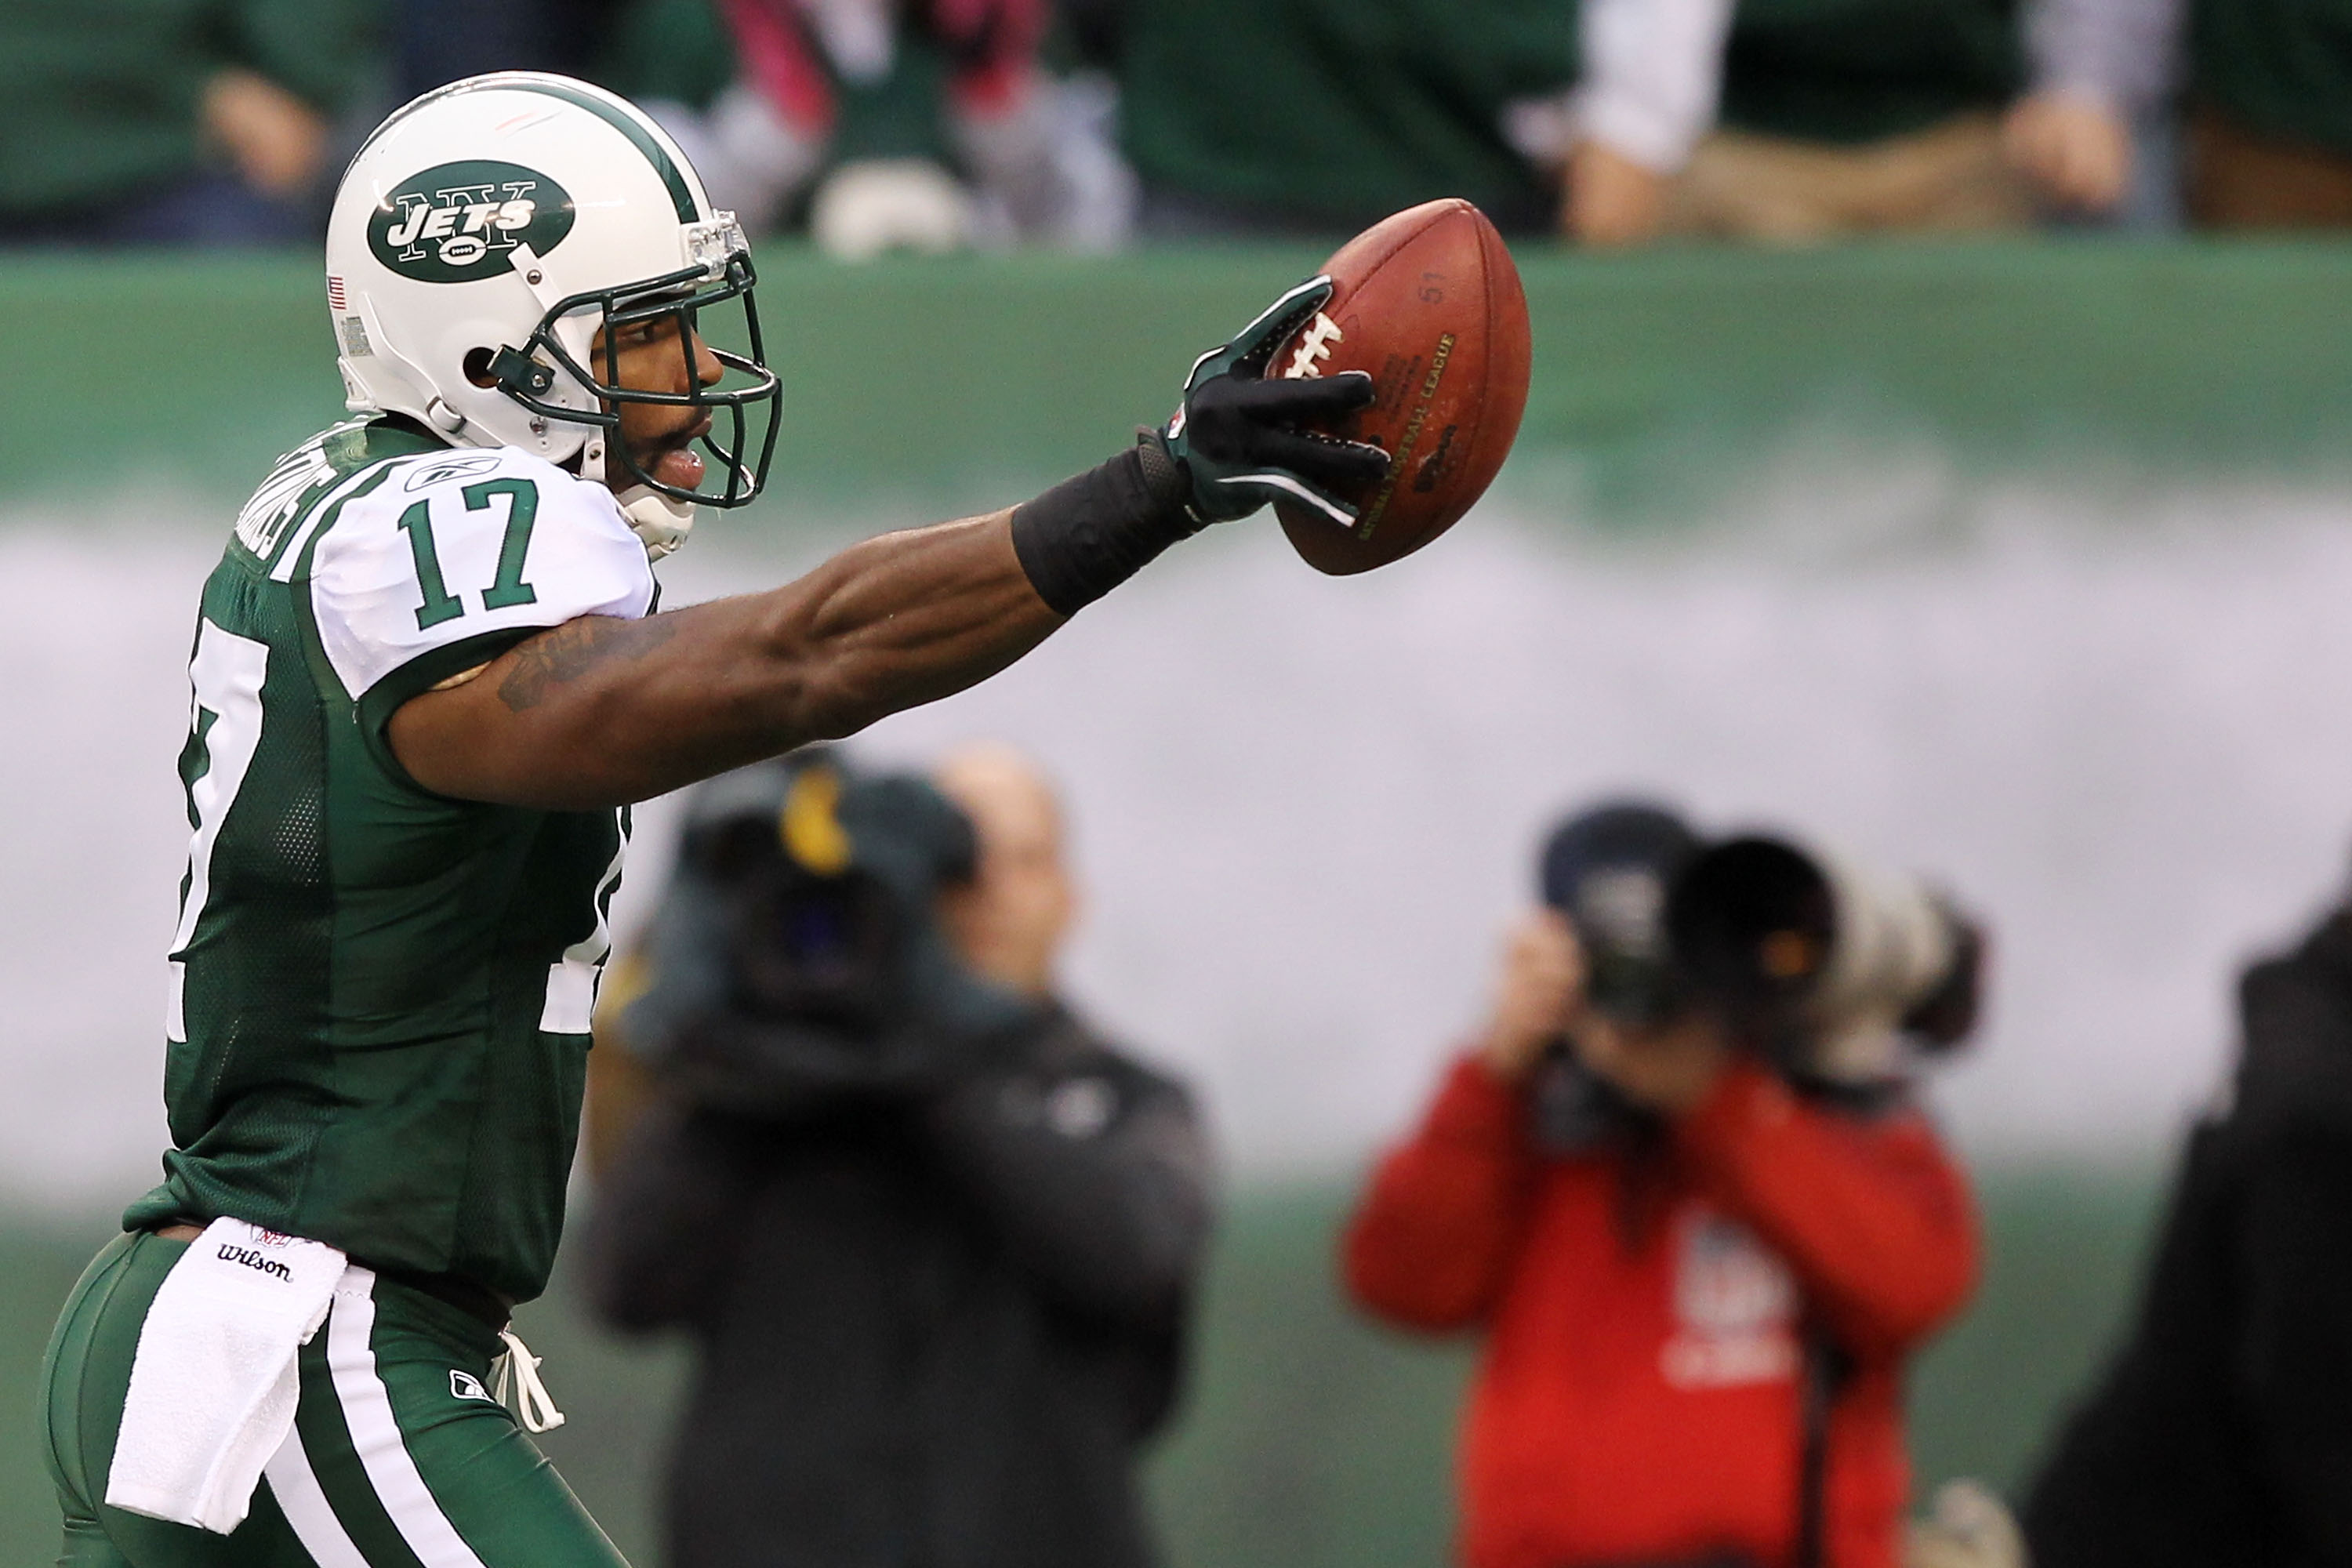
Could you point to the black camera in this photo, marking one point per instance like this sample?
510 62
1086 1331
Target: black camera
1610 870
1827 969
797 955
827 877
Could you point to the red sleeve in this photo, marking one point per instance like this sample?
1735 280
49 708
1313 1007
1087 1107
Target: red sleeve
1430 1244
1871 1215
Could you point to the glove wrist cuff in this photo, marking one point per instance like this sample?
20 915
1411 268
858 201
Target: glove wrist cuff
1167 476
1088 534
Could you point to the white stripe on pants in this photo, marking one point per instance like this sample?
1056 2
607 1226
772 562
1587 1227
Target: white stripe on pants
305 1507
367 1410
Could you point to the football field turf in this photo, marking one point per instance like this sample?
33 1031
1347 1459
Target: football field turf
1307 1438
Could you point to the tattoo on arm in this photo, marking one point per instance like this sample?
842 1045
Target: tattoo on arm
569 651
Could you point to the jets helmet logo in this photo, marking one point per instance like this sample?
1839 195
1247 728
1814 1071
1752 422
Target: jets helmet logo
455 223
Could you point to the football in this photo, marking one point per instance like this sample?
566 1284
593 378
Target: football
1429 303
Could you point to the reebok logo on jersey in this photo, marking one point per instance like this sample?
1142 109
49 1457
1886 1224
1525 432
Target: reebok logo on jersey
440 468
260 1263
465 1386
457 223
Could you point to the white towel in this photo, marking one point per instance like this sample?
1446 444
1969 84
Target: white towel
214 1383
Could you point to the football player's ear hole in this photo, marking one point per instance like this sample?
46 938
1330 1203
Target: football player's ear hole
478 368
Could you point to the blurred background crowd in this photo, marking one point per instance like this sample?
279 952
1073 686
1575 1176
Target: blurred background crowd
935 124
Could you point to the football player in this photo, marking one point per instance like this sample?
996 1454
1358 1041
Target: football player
428 681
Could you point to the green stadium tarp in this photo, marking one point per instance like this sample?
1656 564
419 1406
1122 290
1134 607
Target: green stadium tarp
927 385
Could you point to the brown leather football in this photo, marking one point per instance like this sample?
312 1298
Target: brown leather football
1429 302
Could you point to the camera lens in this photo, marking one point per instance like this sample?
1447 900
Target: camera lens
1753 921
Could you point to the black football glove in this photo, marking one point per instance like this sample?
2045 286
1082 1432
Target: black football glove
1245 439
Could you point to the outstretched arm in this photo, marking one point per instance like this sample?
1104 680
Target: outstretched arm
603 711
600 711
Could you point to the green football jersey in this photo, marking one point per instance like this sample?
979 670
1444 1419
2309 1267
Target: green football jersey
1857 70
1336 113
380 996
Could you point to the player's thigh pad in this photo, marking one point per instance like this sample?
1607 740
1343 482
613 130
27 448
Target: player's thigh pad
399 1459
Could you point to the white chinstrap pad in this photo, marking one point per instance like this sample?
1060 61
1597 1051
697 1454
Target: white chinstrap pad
213 1383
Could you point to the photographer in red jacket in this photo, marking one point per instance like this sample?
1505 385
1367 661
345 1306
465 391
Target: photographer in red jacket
1679 1183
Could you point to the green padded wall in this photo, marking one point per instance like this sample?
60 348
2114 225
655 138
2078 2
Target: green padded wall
929 384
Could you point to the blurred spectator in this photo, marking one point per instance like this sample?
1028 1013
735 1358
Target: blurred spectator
1799 120
1790 120
2222 1432
2268 85
932 1236
2270 129
1775 120
868 111
440 41
1699 1253
2096 133
1324 115
172 122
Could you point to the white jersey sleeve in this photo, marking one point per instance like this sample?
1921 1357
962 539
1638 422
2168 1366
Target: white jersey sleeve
456 556
1653 75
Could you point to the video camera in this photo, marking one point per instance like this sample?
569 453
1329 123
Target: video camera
797 955
827 877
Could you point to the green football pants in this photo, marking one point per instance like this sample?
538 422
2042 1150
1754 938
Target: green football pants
399 1459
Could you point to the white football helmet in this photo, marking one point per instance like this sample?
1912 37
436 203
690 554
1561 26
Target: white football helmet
488 232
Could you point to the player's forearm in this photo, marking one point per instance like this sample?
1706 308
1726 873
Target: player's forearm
600 712
888 625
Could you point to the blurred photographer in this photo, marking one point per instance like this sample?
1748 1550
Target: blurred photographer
932 1238
2221 1432
1677 1183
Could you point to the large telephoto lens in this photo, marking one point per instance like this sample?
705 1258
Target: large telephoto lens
1754 921
1822 957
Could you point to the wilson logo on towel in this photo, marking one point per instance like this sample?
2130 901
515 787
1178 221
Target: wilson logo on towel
257 1261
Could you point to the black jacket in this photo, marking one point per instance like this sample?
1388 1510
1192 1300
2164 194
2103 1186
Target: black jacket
935 1321
2223 1434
